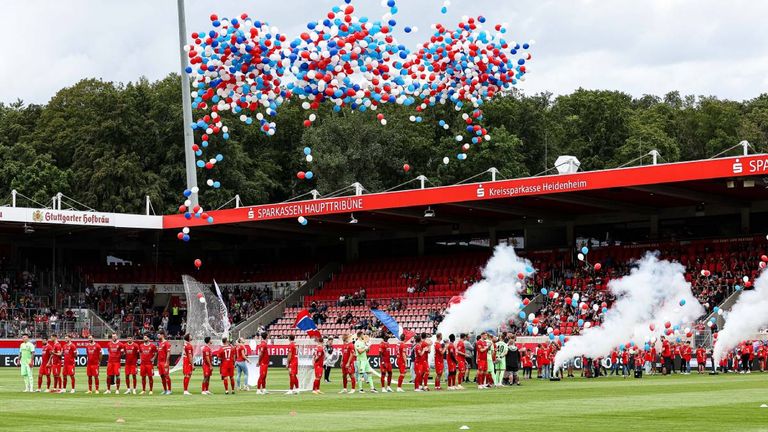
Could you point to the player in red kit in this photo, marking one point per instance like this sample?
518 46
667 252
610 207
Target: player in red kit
450 357
701 359
147 352
164 363
481 348
402 355
69 353
439 360
226 355
45 366
131 349
348 363
189 362
207 366
385 365
461 361
93 353
421 369
319 358
263 352
293 366
56 363
115 350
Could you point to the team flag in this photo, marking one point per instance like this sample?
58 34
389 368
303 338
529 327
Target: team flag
391 324
304 322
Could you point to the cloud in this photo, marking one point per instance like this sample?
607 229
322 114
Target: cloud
697 47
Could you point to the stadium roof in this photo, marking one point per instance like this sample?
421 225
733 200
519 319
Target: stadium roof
715 186
721 186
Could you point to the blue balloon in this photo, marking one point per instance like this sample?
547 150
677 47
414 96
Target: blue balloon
225 136
530 329
188 215
682 302
585 250
307 151
562 338
308 175
574 303
605 309
543 291
528 269
716 308
187 193
200 164
210 219
186 237
219 157
551 336
737 287
216 185
580 322
521 314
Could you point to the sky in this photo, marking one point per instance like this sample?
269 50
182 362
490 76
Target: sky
700 47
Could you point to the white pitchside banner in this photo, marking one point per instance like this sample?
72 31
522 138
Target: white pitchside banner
81 218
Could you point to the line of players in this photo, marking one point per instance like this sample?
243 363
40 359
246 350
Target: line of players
58 362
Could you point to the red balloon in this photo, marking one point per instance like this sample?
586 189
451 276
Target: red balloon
520 276
652 327
301 175
198 263
764 258
406 167
667 324
182 208
598 266
199 295
748 284
714 335
307 123
568 300
526 301
180 236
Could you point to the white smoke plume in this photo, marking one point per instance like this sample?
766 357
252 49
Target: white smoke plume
654 293
746 318
493 300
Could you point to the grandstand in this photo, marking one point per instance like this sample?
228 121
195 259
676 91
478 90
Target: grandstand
407 251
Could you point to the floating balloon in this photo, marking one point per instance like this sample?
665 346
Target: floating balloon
598 266
406 167
302 220
585 250
198 263
580 256
682 302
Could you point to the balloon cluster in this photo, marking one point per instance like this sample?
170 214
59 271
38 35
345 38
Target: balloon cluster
247 67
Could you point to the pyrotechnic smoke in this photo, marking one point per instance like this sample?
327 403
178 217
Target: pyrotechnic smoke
745 319
493 300
655 292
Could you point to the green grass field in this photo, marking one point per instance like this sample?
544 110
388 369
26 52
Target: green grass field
685 403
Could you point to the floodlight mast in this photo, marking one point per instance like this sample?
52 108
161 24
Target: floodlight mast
186 102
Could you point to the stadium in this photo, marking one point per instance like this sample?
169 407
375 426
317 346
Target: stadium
411 242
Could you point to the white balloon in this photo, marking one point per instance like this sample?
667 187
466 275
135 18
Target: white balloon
535 330
195 189
187 203
580 256
209 182
185 230
587 325
745 278
446 160
309 158
531 316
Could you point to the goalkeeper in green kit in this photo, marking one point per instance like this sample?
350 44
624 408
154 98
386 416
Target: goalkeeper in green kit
26 357
364 368
500 365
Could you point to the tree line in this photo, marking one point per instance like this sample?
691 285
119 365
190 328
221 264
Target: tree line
108 145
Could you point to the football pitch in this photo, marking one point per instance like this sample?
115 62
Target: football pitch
680 403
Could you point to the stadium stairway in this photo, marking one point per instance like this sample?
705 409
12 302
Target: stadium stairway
249 327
